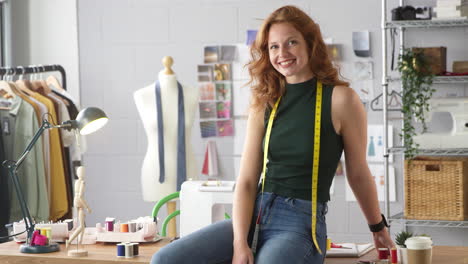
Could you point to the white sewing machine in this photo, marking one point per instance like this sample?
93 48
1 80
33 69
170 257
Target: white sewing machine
458 136
202 204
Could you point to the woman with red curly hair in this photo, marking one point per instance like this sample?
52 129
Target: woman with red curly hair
294 88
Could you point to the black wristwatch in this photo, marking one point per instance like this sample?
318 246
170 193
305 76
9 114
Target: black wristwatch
379 226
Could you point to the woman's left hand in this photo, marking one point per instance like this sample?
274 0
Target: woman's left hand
382 239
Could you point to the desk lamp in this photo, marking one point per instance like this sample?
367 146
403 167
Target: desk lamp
87 121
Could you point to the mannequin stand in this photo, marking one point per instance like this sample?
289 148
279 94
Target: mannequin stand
172 228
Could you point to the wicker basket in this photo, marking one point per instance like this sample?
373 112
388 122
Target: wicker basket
436 188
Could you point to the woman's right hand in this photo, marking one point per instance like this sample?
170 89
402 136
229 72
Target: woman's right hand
242 255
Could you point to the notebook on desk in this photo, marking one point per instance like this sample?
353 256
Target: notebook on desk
350 250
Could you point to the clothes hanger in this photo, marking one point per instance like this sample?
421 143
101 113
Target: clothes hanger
36 84
43 83
21 84
395 100
6 90
52 81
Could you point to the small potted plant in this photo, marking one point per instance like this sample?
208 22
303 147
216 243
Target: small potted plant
400 241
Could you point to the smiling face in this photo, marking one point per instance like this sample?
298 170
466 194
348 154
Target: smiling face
287 49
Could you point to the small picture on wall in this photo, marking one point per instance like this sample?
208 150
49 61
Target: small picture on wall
225 128
228 53
205 73
375 151
251 35
222 72
208 129
207 91
223 109
223 91
211 54
207 110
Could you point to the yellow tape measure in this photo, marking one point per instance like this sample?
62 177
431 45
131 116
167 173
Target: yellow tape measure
315 167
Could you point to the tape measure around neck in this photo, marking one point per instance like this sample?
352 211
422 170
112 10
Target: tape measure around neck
315 167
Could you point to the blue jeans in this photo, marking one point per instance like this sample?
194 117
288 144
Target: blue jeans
284 237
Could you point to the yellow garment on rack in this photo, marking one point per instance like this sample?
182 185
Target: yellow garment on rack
58 196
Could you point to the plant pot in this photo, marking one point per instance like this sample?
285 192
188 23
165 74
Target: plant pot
402 255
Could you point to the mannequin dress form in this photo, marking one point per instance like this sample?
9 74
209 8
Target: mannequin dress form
145 99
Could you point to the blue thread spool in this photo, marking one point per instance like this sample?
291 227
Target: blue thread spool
120 250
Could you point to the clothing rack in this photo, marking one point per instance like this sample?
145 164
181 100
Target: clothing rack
36 69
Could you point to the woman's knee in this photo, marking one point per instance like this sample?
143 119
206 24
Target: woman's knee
159 258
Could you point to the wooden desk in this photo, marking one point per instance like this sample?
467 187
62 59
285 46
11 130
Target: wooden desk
98 253
106 254
440 255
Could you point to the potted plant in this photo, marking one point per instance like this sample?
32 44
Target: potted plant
417 80
400 241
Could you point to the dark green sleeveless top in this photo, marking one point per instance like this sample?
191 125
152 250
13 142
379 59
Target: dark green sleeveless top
290 154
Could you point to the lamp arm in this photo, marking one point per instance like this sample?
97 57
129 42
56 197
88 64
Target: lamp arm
12 167
28 223
45 125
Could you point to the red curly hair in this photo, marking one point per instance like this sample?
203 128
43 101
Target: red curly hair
267 84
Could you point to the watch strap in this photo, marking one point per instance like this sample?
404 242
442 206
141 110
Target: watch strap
378 227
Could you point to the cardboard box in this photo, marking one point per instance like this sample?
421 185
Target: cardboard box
460 66
437 57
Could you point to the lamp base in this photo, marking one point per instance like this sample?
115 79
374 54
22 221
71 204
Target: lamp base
52 247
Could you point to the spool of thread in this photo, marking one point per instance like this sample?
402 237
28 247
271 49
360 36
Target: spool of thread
132 227
120 250
136 249
110 226
328 244
124 228
99 228
43 231
129 250
48 232
383 253
394 256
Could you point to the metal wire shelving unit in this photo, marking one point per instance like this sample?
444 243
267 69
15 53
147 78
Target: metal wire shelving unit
386 26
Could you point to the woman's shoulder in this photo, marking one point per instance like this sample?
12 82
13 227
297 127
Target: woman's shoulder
346 103
344 94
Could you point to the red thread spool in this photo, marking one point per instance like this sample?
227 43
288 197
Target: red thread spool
394 256
383 253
